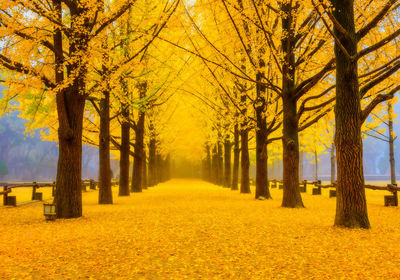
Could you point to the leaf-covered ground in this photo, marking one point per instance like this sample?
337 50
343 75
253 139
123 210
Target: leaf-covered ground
186 229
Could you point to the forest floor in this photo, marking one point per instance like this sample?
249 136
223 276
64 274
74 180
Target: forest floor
188 229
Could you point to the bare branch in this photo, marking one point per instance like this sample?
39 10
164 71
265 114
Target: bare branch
377 100
114 17
364 31
379 79
379 44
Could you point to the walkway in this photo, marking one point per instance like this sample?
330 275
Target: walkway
191 229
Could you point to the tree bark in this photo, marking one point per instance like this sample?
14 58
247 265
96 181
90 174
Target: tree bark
152 158
68 197
168 167
333 164
70 107
159 168
138 157
105 191
220 161
290 140
351 206
227 163
139 143
316 165
291 190
236 156
245 162
208 169
262 188
214 165
124 154
391 151
144 169
391 145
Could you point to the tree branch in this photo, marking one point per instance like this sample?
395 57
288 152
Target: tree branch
364 31
113 17
20 68
379 79
379 44
377 100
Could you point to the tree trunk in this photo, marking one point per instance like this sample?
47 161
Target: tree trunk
68 197
220 163
214 165
70 107
316 165
204 169
168 167
391 145
291 190
290 140
144 170
351 206
391 151
245 162
152 160
124 154
138 157
139 143
227 163
105 191
207 165
159 168
262 188
208 169
236 155
333 164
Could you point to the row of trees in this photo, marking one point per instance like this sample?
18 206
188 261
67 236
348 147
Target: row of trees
292 63
184 74
84 70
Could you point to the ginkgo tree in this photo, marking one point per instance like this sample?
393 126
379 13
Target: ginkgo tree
62 40
297 51
58 39
346 24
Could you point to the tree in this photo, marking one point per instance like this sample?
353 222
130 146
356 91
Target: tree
292 43
64 48
351 207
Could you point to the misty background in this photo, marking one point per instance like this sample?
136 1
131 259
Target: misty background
26 158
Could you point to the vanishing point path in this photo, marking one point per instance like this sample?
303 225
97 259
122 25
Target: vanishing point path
189 229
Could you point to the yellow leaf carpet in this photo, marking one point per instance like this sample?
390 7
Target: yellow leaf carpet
189 229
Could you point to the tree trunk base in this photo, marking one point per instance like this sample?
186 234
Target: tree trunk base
106 202
353 221
292 204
